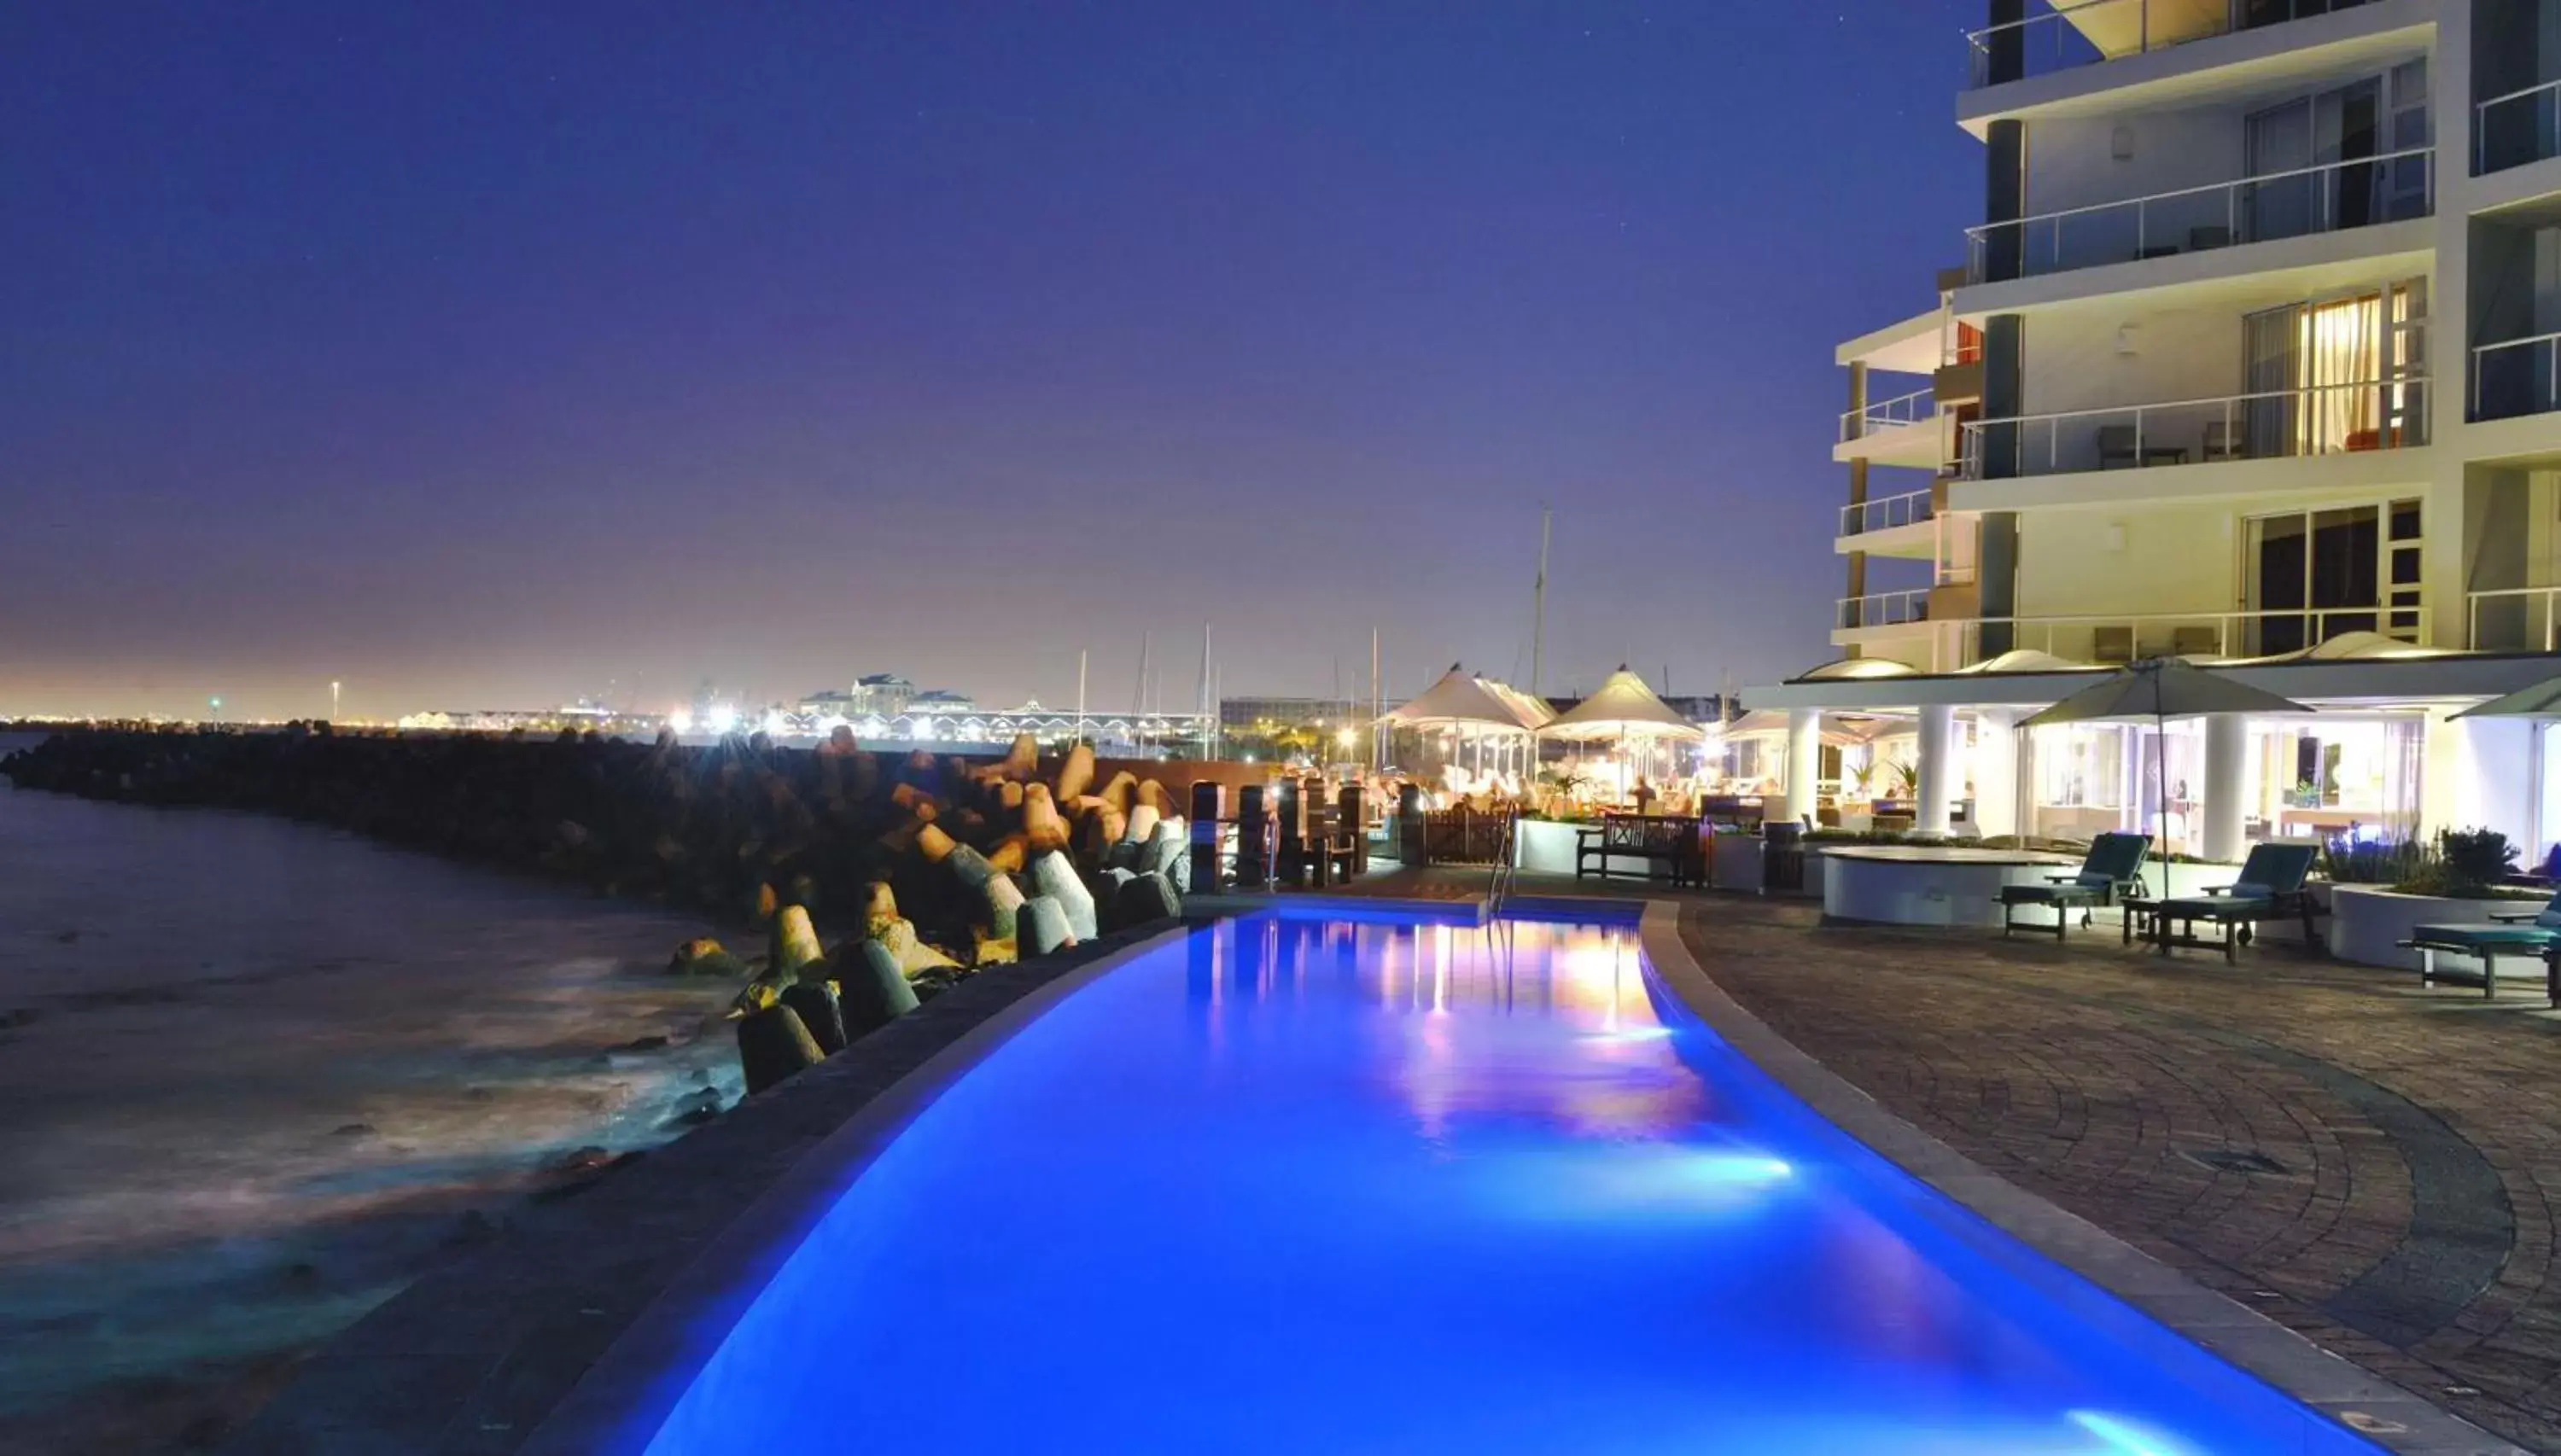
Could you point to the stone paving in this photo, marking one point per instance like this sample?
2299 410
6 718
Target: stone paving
2372 1164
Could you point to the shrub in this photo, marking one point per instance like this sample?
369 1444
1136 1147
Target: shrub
2346 861
2462 863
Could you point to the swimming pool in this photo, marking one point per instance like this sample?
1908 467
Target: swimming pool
1387 1184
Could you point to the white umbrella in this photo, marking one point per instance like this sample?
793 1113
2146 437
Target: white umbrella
2161 688
1623 708
2544 700
1465 703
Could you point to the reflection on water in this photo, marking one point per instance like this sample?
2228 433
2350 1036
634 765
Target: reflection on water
1301 1185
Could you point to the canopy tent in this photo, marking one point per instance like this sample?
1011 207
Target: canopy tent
1624 708
1473 710
2161 688
2544 700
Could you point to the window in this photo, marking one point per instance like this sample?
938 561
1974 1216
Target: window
2316 574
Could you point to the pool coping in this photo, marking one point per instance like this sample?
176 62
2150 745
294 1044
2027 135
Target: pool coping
2357 1399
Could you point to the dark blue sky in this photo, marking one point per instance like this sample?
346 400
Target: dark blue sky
482 354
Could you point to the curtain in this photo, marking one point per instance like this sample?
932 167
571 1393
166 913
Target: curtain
2270 356
2342 368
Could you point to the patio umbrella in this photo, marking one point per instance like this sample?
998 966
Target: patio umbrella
2544 700
1469 704
2161 688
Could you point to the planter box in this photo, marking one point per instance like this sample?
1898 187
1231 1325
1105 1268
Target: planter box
1544 846
2366 921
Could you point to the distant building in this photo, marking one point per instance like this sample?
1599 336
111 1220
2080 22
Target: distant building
1246 714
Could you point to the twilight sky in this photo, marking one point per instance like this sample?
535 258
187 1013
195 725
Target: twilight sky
490 354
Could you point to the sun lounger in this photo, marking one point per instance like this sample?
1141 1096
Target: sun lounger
2109 875
2510 932
2269 887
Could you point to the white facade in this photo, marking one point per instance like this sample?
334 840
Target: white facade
2255 359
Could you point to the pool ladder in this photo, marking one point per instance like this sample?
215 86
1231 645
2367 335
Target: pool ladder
1499 885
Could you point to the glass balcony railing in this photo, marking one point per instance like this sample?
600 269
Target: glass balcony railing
1909 509
2516 377
1885 414
2091 31
2316 420
2262 208
1882 609
2516 128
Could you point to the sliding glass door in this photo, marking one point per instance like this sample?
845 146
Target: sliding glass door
2316 574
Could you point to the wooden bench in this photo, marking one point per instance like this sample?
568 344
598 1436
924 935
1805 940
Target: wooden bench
1657 838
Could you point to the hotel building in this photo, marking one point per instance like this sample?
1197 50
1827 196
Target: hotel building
2255 359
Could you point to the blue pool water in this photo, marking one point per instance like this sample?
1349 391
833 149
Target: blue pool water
1320 1185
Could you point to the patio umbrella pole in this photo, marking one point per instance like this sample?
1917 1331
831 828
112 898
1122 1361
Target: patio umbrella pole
2160 766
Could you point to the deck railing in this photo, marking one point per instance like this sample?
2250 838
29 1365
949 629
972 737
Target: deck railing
2515 130
2516 377
1884 414
2059 39
2318 420
1882 609
2327 198
2513 620
1886 513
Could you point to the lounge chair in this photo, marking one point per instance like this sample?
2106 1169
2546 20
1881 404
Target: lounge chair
2269 887
2510 932
2108 875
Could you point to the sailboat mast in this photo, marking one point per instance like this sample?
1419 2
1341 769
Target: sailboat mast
1538 607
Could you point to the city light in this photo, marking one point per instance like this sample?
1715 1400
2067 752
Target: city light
723 719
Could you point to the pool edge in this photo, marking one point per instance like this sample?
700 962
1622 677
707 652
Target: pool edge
2366 1404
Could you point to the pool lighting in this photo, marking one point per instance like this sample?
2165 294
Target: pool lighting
2122 1437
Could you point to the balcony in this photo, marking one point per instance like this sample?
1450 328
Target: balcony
2515 130
2331 198
2077 35
2516 377
1891 512
1899 413
2334 420
2122 637
2513 620
1882 609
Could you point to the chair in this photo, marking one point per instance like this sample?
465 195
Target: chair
2112 644
2117 442
2110 874
2510 932
2219 444
2269 887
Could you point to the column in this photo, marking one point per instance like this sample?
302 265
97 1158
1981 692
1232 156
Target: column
1804 761
1940 774
1996 773
2224 807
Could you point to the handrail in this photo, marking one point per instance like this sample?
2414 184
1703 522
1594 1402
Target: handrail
1909 509
2551 378
1882 608
2229 626
1500 884
1885 415
2400 418
2546 140
2059 18
2316 212
2551 617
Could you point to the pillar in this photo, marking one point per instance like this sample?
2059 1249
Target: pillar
1942 776
1997 802
1804 761
2224 806
1252 839
1208 808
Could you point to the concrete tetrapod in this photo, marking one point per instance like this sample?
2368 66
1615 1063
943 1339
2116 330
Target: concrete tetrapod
814 1002
774 1045
1142 899
1040 928
1054 875
872 990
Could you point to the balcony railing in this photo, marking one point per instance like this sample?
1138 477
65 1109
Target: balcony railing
2516 128
2329 197
2513 620
2332 419
1909 509
2115 637
2516 377
1883 609
1885 414
2091 31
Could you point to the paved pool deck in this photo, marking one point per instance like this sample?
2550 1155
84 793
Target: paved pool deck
2370 1163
